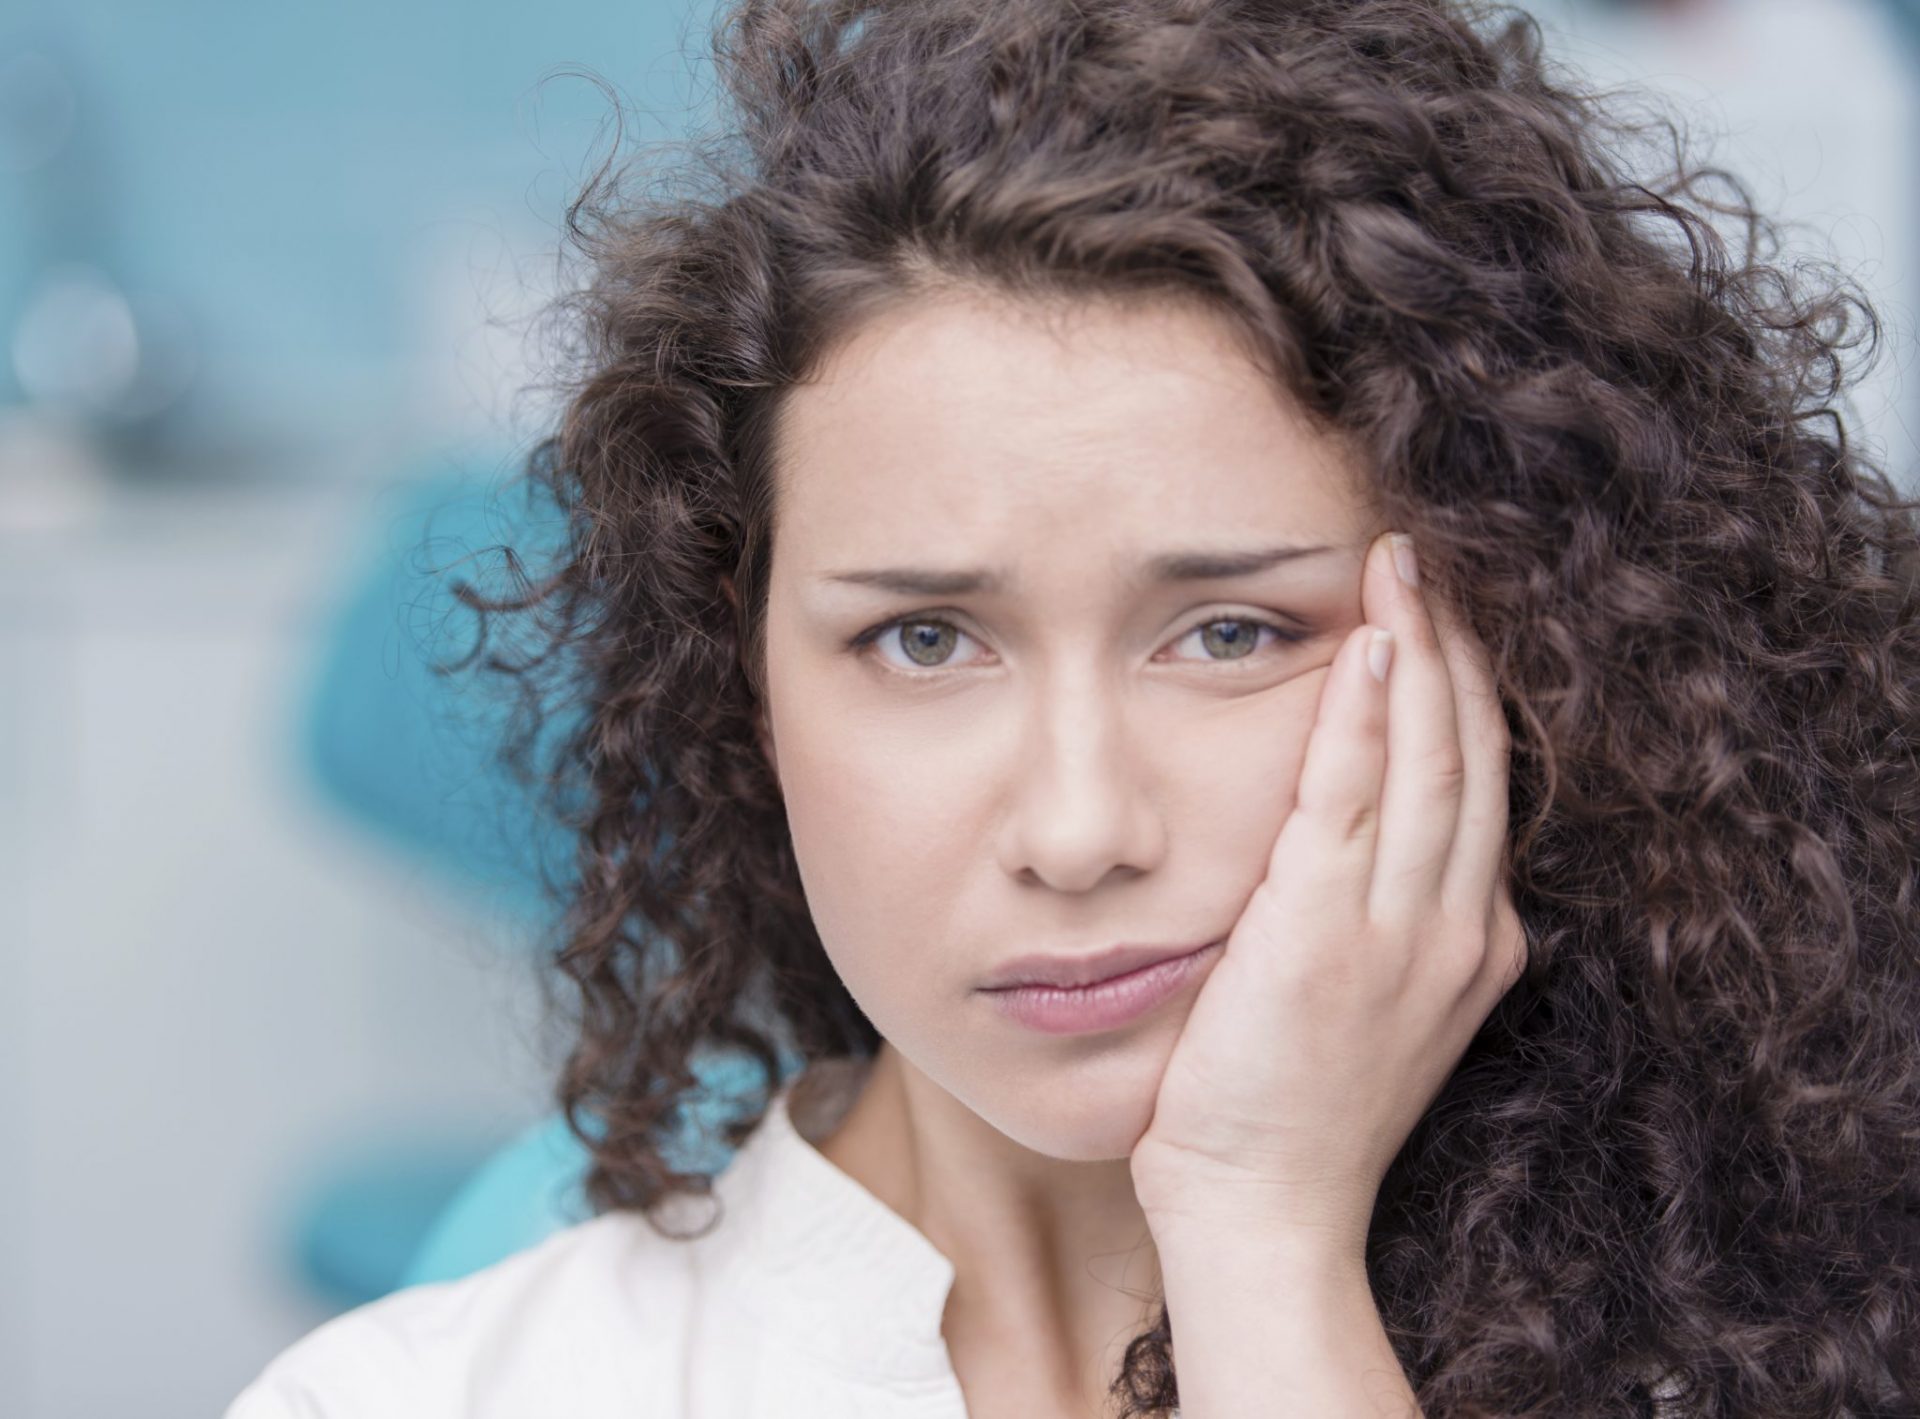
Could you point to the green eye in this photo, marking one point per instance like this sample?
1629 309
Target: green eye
928 641
1241 643
924 650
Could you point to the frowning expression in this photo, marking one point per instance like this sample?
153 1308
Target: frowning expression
1052 598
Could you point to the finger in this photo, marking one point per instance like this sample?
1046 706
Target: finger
1476 869
1420 805
1506 961
1325 847
1503 964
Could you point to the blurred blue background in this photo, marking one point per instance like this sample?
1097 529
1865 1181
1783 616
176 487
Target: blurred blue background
269 1036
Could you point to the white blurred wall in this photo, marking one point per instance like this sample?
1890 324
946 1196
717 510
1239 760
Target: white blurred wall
212 988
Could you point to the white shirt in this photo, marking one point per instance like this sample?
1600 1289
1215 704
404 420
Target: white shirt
808 1297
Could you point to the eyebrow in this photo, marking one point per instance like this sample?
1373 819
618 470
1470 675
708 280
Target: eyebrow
1167 567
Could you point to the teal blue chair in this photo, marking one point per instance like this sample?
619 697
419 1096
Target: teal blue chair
512 1200
531 1188
408 756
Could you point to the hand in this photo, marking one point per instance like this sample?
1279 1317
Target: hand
1379 941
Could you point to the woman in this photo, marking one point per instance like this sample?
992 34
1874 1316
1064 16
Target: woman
984 507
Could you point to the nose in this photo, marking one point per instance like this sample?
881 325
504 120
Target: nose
1080 808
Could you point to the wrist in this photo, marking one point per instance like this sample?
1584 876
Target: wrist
1275 1320
1188 1210
1304 1254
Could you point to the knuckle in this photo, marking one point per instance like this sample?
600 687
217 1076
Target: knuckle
1507 950
1446 769
1341 816
1353 822
1465 952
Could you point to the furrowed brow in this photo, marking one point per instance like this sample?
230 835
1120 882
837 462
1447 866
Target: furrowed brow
1165 568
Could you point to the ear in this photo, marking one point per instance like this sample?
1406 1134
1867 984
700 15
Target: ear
761 731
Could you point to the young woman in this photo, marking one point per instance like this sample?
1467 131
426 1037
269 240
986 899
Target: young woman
1259 503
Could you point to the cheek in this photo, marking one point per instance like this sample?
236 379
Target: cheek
871 832
1240 750
1235 784
886 817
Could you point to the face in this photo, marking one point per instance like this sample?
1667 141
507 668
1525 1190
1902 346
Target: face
1077 752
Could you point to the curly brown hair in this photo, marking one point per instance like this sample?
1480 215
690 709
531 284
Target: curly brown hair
1686 1148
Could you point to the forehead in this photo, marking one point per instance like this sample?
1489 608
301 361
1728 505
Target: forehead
971 417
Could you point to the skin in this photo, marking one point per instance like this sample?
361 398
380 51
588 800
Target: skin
1381 938
1084 760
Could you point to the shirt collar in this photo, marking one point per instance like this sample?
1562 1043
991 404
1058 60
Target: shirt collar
833 1263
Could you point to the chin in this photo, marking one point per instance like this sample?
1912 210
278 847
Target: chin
1090 1111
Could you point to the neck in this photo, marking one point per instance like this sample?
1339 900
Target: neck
1054 1266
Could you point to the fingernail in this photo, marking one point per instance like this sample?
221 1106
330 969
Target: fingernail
1379 653
1403 559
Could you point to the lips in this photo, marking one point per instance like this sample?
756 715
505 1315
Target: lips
1108 1005
1069 972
